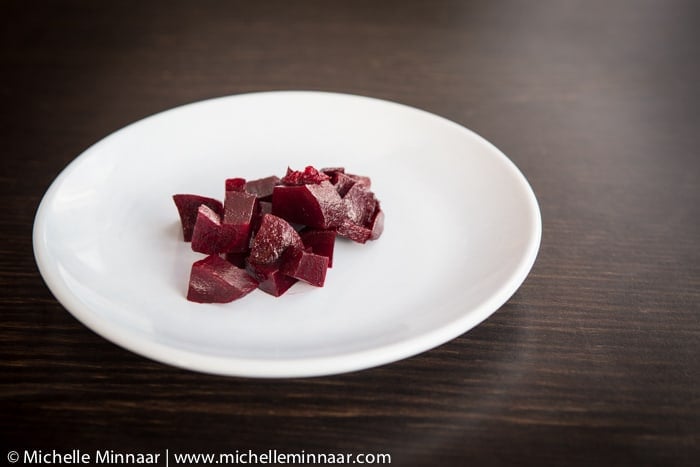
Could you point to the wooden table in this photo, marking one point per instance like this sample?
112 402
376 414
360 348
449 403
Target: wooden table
594 361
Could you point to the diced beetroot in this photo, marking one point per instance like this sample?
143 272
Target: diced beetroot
309 176
343 183
235 184
215 280
262 187
270 279
321 242
187 206
377 224
330 171
354 232
362 180
211 237
360 204
305 266
262 208
319 206
272 239
239 208
206 236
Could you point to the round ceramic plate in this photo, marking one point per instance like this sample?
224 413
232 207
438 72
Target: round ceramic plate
462 231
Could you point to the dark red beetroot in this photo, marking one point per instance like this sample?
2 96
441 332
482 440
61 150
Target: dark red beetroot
187 206
343 183
235 184
239 209
377 223
237 259
271 279
372 230
360 204
273 238
333 172
215 280
206 236
262 187
263 207
210 236
362 180
319 206
321 242
305 266
309 176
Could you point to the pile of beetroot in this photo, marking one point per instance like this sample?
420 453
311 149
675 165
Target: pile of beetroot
270 233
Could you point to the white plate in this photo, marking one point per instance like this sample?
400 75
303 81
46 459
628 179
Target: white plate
462 231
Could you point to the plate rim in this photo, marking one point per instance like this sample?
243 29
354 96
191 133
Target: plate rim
292 367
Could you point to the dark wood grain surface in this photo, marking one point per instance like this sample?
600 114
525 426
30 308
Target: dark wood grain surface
594 361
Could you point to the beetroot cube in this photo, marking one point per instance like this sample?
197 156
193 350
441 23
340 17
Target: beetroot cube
272 239
354 232
206 235
239 208
332 171
318 206
270 279
377 224
362 180
235 184
321 242
211 237
262 188
215 280
371 230
187 206
263 207
305 266
360 204
343 183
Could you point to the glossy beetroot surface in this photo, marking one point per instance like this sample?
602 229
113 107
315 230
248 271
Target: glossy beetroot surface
273 232
215 280
187 206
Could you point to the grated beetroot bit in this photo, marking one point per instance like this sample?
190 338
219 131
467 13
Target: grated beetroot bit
310 176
